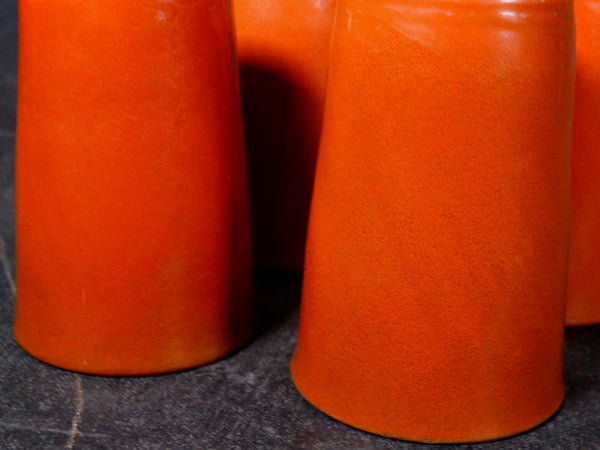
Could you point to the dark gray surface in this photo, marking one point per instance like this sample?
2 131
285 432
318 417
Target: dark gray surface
245 401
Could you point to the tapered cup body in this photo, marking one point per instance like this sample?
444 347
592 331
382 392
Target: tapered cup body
133 241
283 50
435 276
583 299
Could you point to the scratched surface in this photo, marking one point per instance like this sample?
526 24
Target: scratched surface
245 401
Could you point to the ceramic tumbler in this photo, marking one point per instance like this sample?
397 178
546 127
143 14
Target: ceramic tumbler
435 276
583 298
133 241
283 50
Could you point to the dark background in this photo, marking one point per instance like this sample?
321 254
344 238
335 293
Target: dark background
244 401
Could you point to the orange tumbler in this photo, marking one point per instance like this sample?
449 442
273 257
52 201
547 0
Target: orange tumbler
283 49
133 241
583 298
436 266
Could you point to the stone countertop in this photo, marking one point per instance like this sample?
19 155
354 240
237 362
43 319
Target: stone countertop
244 401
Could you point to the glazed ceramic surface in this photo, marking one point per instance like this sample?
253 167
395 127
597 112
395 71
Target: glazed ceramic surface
583 300
133 241
283 49
435 276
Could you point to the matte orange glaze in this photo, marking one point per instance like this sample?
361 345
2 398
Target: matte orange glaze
133 241
283 50
435 276
583 299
